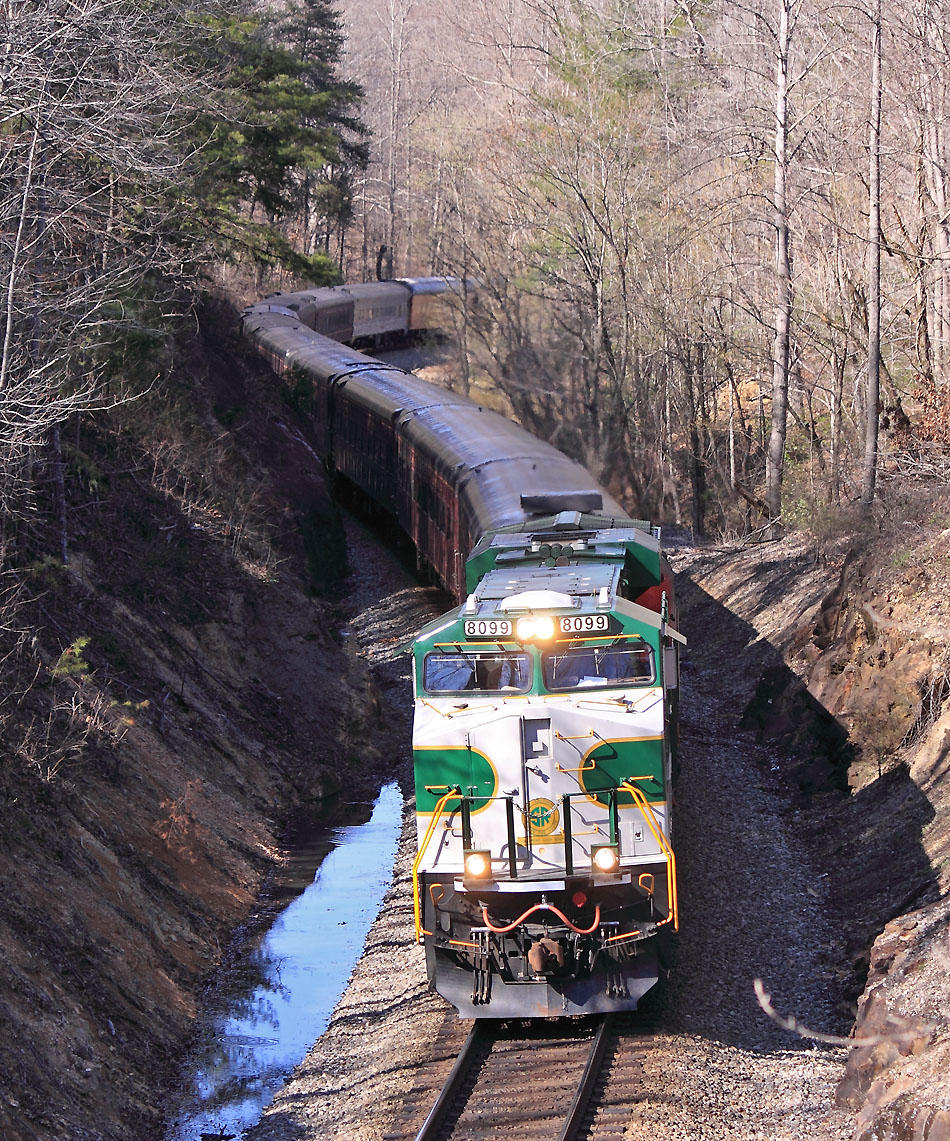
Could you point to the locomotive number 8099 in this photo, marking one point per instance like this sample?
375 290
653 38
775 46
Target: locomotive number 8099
545 701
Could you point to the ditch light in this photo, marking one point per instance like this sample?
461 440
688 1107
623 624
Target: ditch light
605 858
477 866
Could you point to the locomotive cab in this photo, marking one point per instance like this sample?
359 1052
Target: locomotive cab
545 878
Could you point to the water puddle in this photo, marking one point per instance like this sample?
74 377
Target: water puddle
293 976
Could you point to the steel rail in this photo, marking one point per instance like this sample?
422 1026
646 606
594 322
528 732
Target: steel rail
439 1120
438 1114
576 1115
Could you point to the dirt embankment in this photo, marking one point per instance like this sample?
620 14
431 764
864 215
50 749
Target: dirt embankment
194 673
859 709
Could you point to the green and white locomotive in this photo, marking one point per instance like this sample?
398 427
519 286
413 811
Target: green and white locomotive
543 745
545 704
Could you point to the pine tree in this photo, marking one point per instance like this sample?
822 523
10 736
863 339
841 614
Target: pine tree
313 31
277 157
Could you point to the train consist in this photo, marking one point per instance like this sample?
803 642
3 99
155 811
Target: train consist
545 701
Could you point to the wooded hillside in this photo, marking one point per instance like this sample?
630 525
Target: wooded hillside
711 239
699 225
142 147
709 245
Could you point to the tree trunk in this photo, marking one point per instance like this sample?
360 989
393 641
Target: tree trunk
697 473
775 457
874 271
58 473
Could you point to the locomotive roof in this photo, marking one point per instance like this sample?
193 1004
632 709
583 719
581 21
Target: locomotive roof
582 582
580 539
578 587
587 532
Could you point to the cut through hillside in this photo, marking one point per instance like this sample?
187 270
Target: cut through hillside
195 672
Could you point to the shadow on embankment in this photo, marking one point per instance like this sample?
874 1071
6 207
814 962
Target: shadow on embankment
783 875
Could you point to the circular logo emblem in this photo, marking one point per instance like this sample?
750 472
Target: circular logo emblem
543 817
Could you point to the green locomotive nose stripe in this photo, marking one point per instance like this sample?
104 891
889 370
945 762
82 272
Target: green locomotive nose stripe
616 761
470 769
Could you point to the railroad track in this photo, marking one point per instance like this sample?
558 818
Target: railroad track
543 1081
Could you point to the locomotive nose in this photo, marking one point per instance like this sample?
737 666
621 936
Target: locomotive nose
545 956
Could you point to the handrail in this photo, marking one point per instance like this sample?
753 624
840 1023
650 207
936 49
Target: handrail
654 825
428 704
570 739
639 800
457 709
636 933
455 793
582 768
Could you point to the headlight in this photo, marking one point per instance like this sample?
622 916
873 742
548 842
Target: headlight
478 865
605 858
537 626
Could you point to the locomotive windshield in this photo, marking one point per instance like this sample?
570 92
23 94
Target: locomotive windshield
479 671
581 667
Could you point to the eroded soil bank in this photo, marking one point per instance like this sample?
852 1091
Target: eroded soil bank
189 658
855 708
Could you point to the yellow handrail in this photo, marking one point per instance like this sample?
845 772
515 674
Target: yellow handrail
429 705
437 812
559 736
582 768
654 825
634 934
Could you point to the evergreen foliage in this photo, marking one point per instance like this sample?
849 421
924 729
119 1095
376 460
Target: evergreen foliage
277 152
139 145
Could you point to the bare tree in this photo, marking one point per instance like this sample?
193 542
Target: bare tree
670 206
91 128
874 266
781 345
